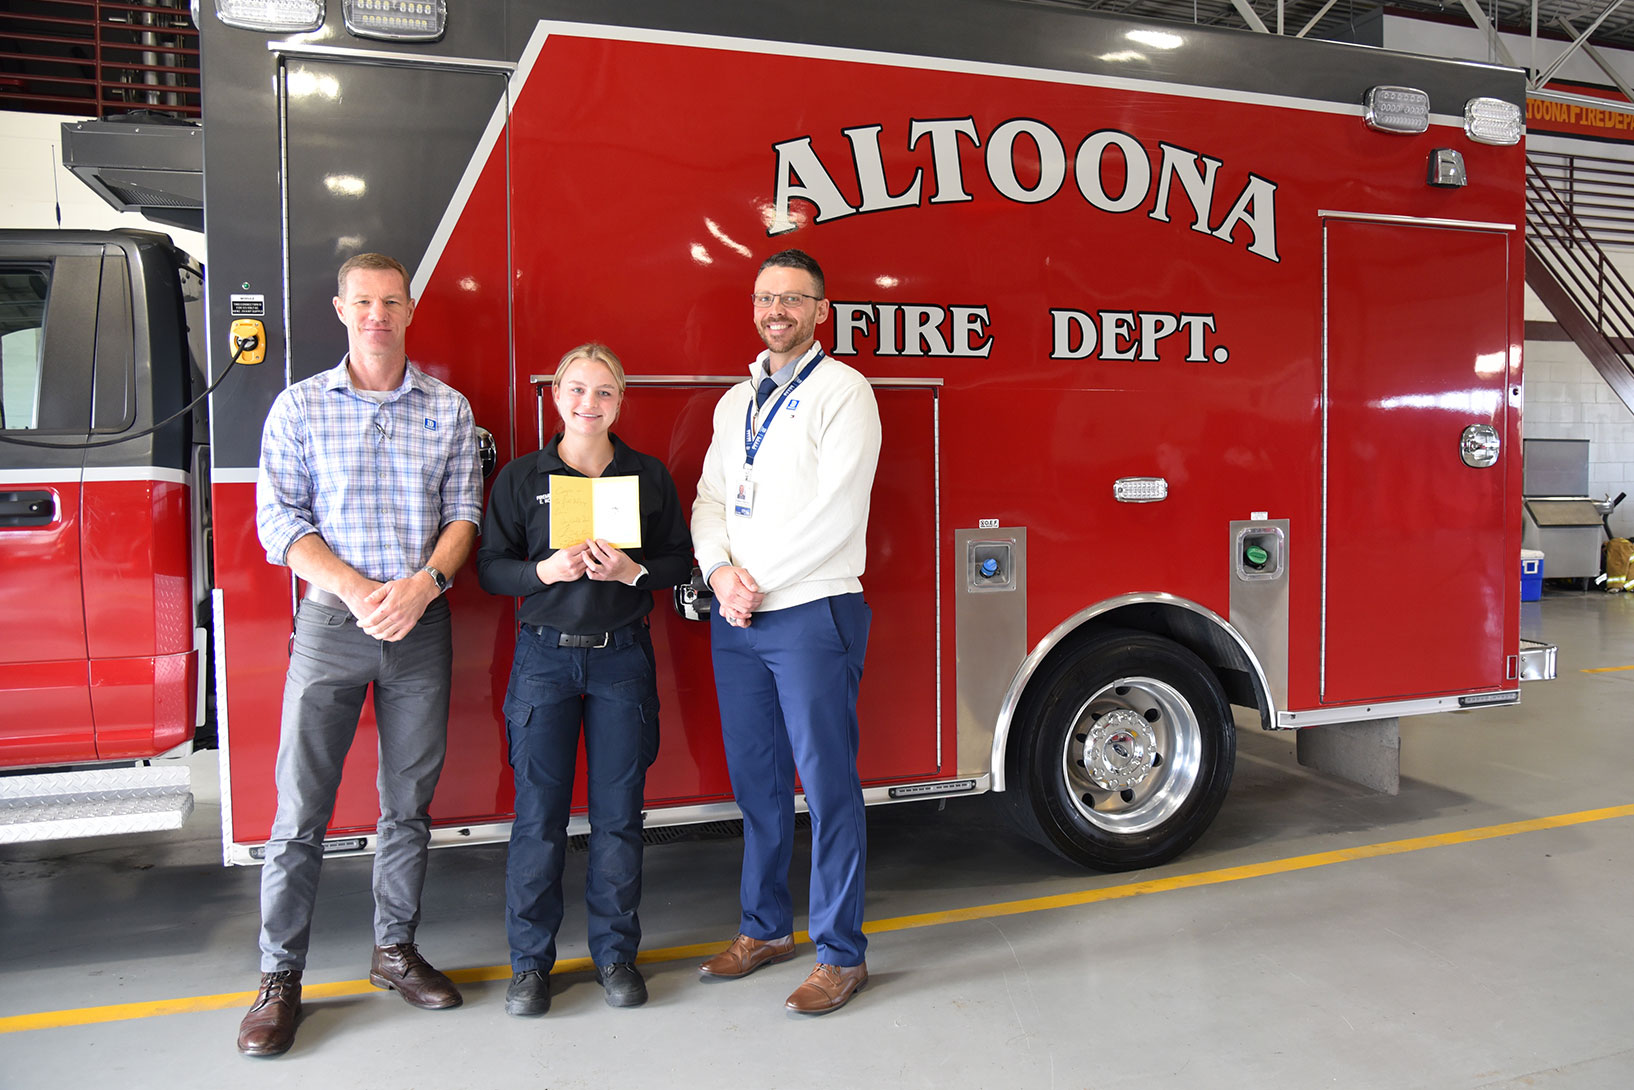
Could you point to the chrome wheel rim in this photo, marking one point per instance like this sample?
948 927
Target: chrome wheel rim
1132 756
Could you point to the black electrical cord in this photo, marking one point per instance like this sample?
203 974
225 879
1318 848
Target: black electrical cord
241 345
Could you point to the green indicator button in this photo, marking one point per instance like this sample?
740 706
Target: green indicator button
1256 556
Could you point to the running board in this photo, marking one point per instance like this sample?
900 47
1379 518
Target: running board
94 802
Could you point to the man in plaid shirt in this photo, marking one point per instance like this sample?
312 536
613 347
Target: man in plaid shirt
369 490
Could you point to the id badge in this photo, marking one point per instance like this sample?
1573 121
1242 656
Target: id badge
744 505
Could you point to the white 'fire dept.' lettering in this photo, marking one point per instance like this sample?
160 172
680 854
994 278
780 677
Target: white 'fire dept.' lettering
912 329
1151 180
1130 335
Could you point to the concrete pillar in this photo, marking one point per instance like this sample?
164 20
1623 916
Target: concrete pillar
1368 752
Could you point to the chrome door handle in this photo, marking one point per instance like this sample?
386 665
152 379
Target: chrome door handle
1479 445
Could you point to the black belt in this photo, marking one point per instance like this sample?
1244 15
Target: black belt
591 640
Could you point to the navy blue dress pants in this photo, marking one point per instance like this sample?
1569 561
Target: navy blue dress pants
553 690
787 686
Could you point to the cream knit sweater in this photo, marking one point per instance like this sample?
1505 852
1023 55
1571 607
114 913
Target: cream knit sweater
813 475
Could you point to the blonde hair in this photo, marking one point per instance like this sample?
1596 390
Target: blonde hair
596 353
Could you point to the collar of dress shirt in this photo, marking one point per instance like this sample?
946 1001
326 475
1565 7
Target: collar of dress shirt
757 369
339 378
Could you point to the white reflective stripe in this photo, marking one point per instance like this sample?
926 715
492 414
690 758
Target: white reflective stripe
234 476
39 476
139 473
110 473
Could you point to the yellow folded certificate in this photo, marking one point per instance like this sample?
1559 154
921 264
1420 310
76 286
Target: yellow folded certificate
585 507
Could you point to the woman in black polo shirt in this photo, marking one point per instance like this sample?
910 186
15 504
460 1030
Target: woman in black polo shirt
583 656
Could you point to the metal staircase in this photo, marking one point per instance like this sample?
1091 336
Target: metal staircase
1573 202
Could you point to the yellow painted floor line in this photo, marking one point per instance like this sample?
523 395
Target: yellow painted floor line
1605 669
119 1012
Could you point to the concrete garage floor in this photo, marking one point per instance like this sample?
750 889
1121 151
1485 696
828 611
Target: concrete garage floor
1287 949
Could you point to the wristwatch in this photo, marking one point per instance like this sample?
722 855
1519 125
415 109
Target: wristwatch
438 578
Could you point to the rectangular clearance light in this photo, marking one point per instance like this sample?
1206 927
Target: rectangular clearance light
285 16
1493 121
1397 109
1140 489
396 20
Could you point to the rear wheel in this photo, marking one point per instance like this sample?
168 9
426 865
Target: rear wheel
1124 754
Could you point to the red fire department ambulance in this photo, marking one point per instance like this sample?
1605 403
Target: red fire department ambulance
1197 354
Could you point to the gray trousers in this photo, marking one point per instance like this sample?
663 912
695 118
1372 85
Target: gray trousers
332 664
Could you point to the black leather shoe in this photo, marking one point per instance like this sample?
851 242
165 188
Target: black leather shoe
623 983
529 994
268 1028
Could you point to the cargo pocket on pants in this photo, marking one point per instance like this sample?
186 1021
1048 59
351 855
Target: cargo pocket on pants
649 731
517 713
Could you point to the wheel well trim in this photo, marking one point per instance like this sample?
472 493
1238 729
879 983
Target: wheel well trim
1047 646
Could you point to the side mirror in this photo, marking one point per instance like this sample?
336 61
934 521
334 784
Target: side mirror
487 451
694 600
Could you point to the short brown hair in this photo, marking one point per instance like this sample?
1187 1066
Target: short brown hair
797 259
369 261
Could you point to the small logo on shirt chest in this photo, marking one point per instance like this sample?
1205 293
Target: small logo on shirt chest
542 498
431 425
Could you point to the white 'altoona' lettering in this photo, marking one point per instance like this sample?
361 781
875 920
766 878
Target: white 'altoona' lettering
1170 181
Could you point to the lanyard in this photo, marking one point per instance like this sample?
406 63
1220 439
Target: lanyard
752 438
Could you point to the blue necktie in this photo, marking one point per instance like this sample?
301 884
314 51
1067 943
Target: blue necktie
767 385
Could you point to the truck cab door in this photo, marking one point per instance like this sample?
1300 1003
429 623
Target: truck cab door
48 308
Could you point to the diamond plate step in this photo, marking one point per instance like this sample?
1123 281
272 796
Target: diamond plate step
94 802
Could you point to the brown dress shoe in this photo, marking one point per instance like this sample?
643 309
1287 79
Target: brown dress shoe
828 988
745 955
268 1028
401 967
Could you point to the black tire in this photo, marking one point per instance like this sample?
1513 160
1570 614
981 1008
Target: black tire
1123 752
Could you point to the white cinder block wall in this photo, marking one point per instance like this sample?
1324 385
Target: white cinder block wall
1567 399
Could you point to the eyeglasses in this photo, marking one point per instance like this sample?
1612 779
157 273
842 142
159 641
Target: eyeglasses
794 300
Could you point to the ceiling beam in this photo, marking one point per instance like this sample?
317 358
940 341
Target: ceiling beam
1317 18
1478 17
1252 18
1542 78
1598 58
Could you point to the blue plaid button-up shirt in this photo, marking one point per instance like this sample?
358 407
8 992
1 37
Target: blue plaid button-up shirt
377 481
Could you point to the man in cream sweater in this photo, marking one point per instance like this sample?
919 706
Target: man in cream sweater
779 528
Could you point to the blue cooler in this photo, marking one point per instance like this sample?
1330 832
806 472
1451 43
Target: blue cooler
1531 575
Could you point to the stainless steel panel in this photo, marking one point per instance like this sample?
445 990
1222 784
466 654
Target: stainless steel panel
990 623
1259 600
1571 549
1554 467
